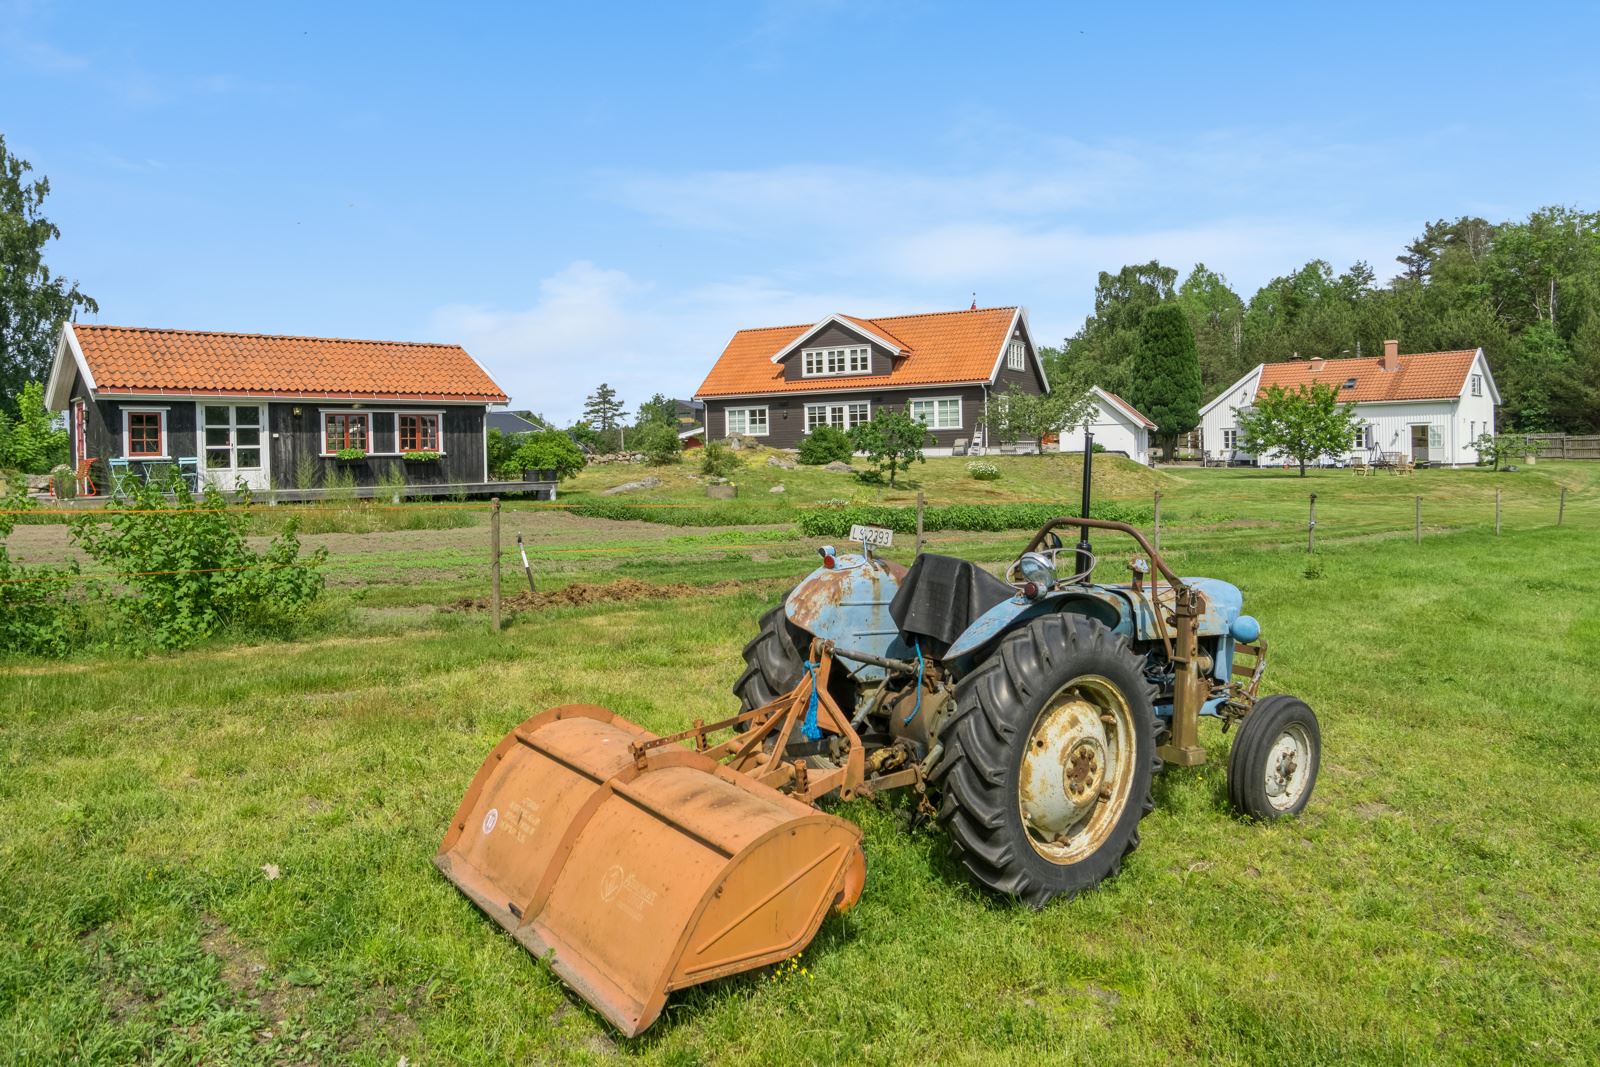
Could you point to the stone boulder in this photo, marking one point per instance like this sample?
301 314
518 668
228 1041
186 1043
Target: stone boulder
839 466
777 488
780 463
628 487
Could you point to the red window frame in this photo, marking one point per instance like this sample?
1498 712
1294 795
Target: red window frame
335 439
145 428
419 433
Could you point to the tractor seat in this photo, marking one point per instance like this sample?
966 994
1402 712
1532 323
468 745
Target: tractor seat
940 597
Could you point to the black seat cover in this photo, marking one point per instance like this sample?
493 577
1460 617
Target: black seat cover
941 596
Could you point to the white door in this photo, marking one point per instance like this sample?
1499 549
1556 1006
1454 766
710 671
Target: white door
232 448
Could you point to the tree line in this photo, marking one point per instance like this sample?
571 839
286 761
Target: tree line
1526 291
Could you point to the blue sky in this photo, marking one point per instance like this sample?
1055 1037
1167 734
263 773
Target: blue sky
588 192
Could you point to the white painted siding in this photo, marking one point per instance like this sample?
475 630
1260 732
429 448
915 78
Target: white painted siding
1113 430
1224 416
1476 414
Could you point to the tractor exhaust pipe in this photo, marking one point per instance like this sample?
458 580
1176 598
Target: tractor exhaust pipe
1085 557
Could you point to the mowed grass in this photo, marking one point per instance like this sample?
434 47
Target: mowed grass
1437 902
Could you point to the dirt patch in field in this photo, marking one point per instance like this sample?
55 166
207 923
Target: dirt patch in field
584 594
242 972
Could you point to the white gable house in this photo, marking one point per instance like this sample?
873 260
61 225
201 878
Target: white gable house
1117 426
1424 406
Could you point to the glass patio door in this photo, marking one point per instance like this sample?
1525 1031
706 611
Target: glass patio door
231 434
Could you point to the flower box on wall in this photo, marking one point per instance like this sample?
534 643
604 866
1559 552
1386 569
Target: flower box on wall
420 457
350 454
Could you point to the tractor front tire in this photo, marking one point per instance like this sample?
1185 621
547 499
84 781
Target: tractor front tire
1273 764
774 659
1048 760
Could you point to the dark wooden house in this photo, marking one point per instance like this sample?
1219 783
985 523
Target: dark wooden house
778 383
291 415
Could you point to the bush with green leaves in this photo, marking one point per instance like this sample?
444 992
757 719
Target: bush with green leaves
351 453
892 440
191 571
40 613
1497 449
983 470
544 450
30 440
659 443
824 445
717 460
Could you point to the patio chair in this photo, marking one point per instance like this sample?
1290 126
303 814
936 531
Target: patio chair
85 477
123 479
1360 466
189 471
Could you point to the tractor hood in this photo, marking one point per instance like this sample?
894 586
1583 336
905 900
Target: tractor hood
1118 606
848 604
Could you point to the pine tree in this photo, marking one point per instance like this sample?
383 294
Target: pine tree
1166 374
602 409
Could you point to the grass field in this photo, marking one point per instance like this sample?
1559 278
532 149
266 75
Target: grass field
1437 902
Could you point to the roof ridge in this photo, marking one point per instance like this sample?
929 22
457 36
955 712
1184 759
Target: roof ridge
265 336
954 311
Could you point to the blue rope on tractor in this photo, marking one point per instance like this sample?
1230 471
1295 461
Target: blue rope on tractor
808 728
916 644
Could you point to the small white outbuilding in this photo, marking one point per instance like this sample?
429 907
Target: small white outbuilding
1117 425
1424 406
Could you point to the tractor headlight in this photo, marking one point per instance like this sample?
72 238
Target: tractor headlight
1037 569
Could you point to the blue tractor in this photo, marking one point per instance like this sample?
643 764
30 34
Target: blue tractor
1033 712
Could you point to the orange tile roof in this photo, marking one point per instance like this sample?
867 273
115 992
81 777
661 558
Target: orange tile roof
938 348
148 362
1421 376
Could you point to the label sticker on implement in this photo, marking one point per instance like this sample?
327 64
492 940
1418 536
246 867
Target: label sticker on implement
872 535
490 819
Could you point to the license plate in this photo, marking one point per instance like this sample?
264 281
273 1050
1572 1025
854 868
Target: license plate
872 535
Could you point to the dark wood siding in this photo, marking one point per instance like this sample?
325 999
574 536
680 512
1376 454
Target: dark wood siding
786 415
296 442
836 336
103 424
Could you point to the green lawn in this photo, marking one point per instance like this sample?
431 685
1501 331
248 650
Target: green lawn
1437 902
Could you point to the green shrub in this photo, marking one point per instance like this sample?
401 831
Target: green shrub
659 443
351 453
983 470
39 613
729 514
545 450
718 460
30 441
423 456
191 572
825 445
836 522
893 440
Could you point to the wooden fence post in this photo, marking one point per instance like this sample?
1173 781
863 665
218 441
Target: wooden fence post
918 551
1311 526
1497 512
494 555
1561 509
1158 520
1419 520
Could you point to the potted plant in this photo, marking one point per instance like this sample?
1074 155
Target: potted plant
421 456
350 454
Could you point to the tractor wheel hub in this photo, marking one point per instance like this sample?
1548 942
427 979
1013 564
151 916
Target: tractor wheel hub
1074 775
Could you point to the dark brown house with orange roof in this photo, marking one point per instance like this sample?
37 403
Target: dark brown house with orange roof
777 383
273 412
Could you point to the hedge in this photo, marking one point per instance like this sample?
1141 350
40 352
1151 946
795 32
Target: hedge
836 522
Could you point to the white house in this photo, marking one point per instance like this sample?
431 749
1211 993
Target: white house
1117 425
1427 406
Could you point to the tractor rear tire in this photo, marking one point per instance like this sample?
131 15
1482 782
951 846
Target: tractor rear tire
774 659
1027 713
1273 764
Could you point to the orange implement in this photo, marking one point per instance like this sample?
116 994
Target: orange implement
642 873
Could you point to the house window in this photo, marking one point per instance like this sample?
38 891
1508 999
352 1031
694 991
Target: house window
419 433
343 429
839 416
1363 438
749 421
145 434
942 413
1477 385
1230 439
1435 437
1349 383
820 362
1017 355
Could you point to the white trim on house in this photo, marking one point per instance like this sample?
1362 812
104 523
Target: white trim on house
56 392
1226 393
766 421
864 388
936 400
845 421
1019 317
166 431
322 430
1123 406
850 353
805 336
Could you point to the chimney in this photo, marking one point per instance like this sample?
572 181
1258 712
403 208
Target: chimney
1316 364
1390 360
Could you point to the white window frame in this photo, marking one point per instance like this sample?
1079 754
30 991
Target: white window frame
437 416
1017 355
1230 438
372 426
233 446
827 409
936 401
1363 439
164 413
766 421
1435 438
1477 385
852 359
